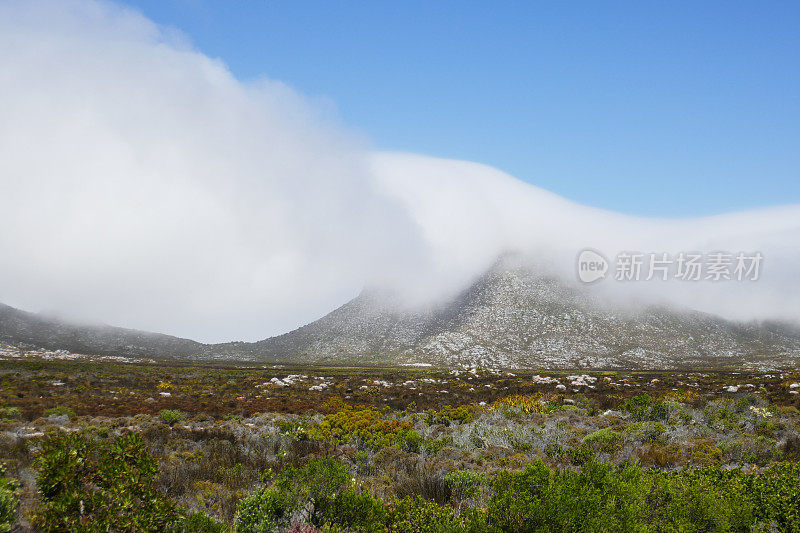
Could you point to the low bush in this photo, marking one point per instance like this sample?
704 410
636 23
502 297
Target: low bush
366 427
415 514
201 523
776 492
522 403
320 493
644 407
60 410
579 455
464 485
598 497
604 440
170 416
318 481
353 511
9 500
448 415
419 477
100 485
264 511
10 412
700 499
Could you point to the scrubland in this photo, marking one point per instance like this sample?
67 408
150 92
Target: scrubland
98 446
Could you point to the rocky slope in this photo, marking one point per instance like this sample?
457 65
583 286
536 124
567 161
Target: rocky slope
30 330
516 317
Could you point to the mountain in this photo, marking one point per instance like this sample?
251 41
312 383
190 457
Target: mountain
513 316
32 330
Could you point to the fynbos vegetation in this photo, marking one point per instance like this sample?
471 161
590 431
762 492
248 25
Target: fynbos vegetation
104 447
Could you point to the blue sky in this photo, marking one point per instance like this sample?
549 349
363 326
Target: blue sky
650 108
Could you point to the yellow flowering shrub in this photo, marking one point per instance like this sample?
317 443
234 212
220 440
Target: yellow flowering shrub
366 427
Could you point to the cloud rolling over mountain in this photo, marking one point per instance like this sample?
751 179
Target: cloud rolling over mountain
145 186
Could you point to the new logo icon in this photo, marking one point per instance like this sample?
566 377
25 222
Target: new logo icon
592 266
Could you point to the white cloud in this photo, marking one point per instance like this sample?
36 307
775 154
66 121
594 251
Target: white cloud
143 185
471 213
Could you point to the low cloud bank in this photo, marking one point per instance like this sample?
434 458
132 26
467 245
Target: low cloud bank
471 213
144 186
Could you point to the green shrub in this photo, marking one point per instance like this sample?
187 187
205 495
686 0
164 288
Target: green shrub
201 523
699 499
10 412
596 498
644 407
415 514
353 511
600 497
464 484
579 455
99 485
603 440
776 492
9 500
170 416
322 490
433 446
264 511
448 415
320 479
60 410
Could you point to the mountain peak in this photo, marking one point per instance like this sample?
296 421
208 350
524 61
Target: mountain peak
518 315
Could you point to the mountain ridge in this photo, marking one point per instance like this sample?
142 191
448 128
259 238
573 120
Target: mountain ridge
514 316
22 328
